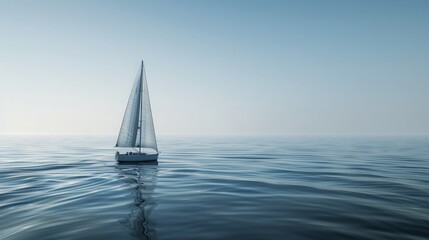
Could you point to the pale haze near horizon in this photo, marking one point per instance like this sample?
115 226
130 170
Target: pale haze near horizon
216 67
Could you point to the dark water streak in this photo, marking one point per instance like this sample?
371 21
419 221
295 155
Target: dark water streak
216 188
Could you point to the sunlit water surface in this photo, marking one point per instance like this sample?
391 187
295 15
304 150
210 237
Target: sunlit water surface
216 188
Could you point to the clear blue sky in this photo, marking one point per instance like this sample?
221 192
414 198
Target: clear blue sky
216 67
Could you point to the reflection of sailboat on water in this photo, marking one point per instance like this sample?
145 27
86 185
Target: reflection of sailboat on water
142 178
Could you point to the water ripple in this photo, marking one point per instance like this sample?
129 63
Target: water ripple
216 188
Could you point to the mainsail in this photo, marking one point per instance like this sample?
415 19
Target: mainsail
137 129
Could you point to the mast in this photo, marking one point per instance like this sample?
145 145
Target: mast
141 107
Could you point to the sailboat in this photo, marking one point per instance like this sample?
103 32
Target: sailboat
137 129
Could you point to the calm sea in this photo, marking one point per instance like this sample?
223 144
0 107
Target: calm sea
216 188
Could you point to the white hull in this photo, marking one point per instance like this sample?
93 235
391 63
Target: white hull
136 157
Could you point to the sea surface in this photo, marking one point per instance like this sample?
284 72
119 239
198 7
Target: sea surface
70 187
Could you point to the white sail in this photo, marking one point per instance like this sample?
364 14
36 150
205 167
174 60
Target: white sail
148 130
138 117
128 133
